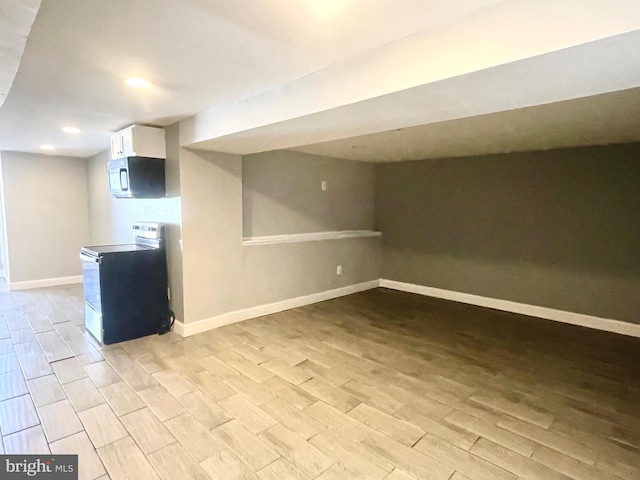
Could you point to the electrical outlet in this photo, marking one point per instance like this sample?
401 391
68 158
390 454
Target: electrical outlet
339 270
323 185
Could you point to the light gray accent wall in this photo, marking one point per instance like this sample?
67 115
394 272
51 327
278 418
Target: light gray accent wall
558 229
46 210
111 219
211 186
282 194
174 228
221 275
292 270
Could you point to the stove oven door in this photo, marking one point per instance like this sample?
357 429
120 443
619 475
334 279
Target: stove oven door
92 298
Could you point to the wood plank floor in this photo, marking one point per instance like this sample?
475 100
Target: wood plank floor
377 385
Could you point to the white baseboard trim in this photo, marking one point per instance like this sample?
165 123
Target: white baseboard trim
597 323
606 324
188 329
45 282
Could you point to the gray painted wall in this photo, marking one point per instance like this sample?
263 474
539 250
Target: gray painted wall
559 229
221 275
46 209
282 194
211 186
277 272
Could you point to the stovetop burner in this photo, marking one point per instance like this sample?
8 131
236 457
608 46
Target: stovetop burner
147 236
100 249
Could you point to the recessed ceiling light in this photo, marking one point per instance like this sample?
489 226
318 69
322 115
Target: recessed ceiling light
326 10
71 130
138 82
47 147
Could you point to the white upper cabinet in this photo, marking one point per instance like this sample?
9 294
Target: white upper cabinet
138 141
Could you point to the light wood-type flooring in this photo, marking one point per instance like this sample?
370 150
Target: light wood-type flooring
377 385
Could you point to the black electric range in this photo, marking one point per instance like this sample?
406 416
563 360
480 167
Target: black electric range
126 286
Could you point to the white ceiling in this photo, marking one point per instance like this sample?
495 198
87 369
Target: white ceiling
16 18
596 120
250 76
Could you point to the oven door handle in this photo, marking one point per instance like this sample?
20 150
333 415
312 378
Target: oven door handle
87 258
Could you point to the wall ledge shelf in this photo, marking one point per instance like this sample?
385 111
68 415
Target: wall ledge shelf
308 237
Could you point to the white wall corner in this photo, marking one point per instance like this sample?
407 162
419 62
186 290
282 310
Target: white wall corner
597 323
178 328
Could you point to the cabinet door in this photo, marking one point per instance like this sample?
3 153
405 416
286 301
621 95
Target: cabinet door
139 141
116 146
127 141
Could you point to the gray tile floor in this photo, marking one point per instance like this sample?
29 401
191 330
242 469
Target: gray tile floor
378 385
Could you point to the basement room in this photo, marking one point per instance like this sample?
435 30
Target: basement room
320 239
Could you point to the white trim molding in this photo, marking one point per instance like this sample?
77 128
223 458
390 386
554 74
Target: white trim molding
606 324
308 237
188 329
597 323
45 282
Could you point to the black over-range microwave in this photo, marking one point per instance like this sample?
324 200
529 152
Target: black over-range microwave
137 177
